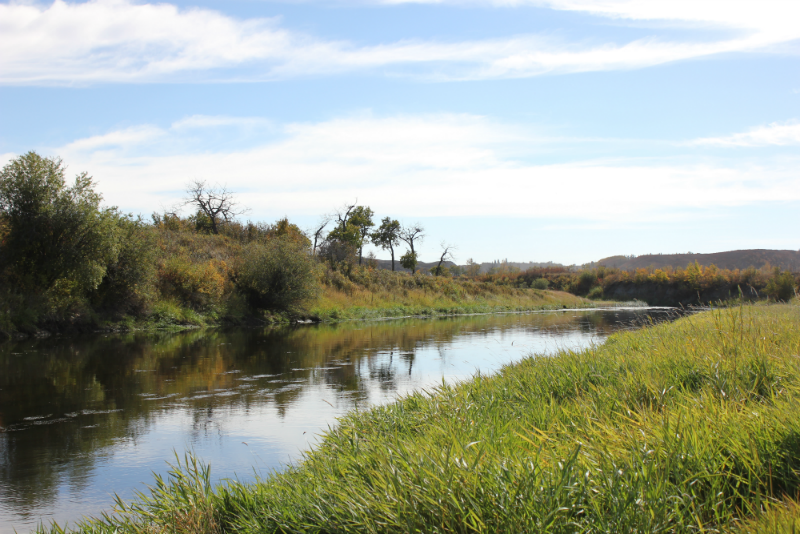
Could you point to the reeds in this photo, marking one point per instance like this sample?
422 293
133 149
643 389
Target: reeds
692 426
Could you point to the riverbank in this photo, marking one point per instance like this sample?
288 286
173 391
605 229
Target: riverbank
381 295
686 426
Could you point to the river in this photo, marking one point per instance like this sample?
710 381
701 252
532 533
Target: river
83 418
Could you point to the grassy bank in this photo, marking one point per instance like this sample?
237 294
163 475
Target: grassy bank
366 294
692 426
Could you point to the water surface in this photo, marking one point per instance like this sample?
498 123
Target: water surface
84 418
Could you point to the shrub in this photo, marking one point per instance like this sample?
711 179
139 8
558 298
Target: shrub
279 274
595 293
197 285
128 284
540 283
781 286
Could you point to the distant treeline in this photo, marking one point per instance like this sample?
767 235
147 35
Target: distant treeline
693 284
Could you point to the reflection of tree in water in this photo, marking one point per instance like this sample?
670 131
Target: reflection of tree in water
90 392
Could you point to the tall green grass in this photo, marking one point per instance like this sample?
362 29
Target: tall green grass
692 426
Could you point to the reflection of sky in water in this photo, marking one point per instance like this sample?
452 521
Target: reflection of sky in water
260 420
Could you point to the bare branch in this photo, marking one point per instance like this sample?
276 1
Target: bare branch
412 234
342 214
447 255
318 230
215 202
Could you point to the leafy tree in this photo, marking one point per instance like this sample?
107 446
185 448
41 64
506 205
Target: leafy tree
411 235
56 235
409 261
361 218
387 236
279 274
352 228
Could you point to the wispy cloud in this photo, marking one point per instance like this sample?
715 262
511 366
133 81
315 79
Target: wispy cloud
128 137
416 166
775 134
121 41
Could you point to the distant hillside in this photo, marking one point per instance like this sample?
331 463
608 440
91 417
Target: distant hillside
733 259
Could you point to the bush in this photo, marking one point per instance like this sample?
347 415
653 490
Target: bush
595 293
128 284
540 283
781 286
197 285
279 274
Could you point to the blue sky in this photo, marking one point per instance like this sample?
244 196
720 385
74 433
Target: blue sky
533 130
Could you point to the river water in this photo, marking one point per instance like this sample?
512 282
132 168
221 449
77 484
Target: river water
84 418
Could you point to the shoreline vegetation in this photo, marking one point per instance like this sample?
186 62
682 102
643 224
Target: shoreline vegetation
688 426
68 264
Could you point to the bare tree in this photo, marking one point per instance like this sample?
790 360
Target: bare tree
215 202
411 235
317 232
447 255
343 214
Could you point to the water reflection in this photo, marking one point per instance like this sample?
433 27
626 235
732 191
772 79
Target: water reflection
83 418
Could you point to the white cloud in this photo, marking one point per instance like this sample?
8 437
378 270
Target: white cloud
216 121
120 41
417 166
775 134
119 138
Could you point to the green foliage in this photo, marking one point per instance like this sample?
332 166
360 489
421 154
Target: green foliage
440 270
781 286
586 280
387 236
57 236
361 218
540 283
167 313
409 261
129 283
279 274
596 293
